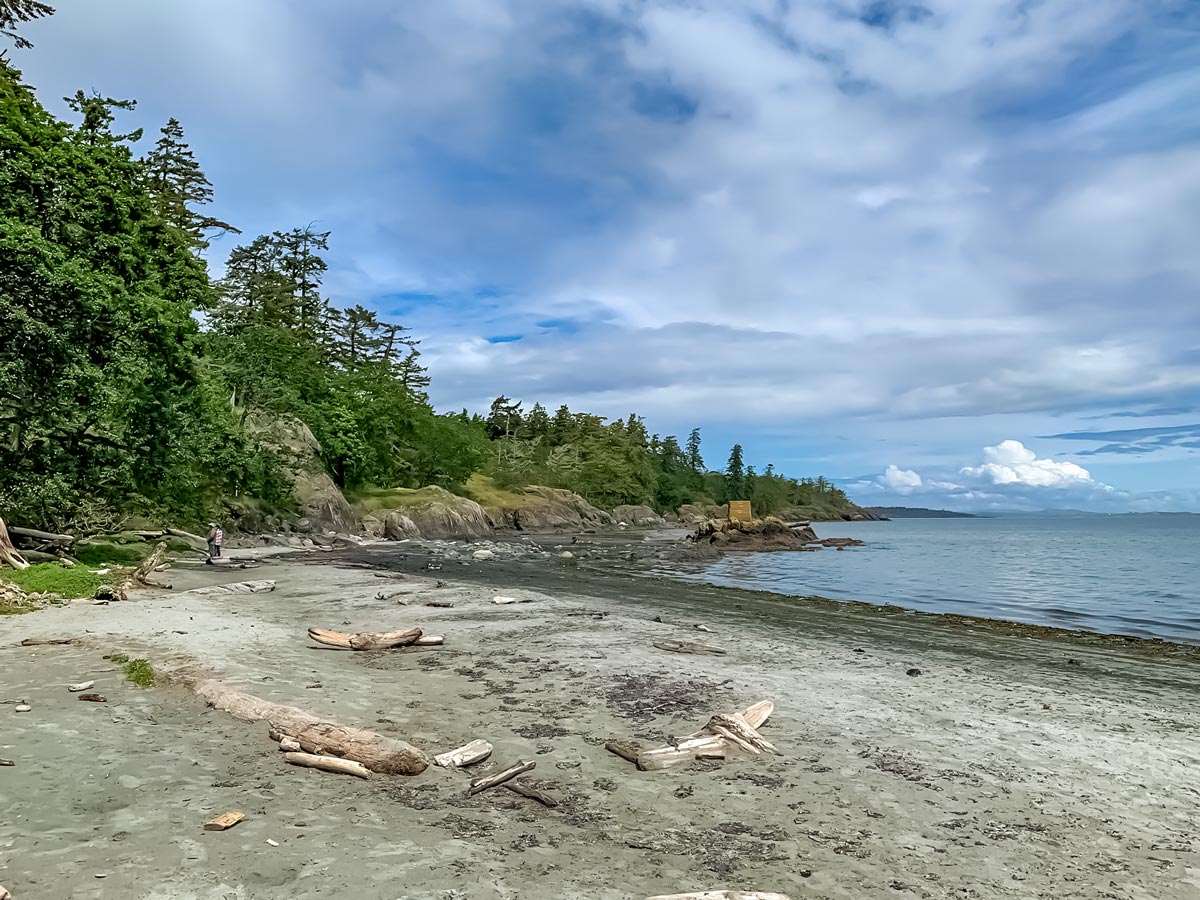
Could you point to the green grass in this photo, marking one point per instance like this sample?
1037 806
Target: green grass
137 671
55 579
98 552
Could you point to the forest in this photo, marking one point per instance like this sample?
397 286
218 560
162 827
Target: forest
131 381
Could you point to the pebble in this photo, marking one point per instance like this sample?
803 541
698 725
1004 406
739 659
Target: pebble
272 843
23 708
913 672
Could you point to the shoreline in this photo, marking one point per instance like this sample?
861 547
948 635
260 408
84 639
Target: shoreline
1002 770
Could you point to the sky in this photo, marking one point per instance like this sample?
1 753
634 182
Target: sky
946 253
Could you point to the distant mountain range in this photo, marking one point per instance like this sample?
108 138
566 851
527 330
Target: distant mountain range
917 512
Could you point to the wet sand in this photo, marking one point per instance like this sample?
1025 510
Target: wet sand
1018 763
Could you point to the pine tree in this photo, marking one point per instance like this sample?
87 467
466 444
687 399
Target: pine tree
735 475
304 269
693 451
537 423
255 290
174 180
356 336
98 115
18 12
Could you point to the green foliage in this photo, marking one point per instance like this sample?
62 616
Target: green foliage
137 671
54 578
17 12
104 402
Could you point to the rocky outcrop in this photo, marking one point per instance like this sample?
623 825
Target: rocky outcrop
699 513
319 499
540 508
399 527
770 533
429 512
638 516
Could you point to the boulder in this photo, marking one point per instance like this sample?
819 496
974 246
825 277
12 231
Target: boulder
428 512
770 533
638 516
399 527
699 513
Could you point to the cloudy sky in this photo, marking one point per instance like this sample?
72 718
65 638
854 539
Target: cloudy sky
945 252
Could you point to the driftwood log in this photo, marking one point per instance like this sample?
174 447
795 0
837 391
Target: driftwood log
737 730
689 647
328 764
383 640
378 752
8 553
40 537
517 786
722 895
224 821
46 642
4 894
479 785
703 744
141 573
466 755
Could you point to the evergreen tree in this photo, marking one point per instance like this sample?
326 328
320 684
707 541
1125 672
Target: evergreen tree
537 423
98 116
18 12
735 475
693 451
304 268
175 181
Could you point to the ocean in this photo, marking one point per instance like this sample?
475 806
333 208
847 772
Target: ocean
1134 575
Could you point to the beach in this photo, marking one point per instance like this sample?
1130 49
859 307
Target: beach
922 755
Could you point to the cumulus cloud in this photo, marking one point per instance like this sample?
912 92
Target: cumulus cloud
1011 462
900 481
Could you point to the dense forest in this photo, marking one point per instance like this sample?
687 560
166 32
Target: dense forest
130 380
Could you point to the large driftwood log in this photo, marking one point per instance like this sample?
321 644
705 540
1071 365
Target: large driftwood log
201 543
490 781
44 537
141 572
46 642
263 586
383 640
4 894
722 895
328 764
629 750
8 553
379 753
466 755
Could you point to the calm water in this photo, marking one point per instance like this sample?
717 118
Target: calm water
1125 575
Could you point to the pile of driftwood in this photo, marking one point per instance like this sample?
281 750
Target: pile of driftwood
713 741
478 751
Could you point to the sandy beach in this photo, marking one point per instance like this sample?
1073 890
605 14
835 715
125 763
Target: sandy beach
1018 763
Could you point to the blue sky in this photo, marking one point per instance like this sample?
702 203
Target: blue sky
947 253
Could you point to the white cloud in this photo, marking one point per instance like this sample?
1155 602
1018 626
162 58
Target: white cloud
901 481
1012 463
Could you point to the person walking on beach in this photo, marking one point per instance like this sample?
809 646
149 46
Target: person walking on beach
215 538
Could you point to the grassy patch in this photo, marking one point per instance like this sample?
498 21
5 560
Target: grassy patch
55 579
484 491
137 671
103 552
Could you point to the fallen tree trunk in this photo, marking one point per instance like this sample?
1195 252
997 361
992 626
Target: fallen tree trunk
722 895
383 640
328 764
142 572
46 537
201 543
8 553
237 587
479 785
46 642
379 753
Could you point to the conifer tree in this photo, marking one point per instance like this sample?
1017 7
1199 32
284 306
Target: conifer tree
175 181
693 451
98 116
18 12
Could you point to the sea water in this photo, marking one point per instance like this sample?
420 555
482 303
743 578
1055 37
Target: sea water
1135 575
